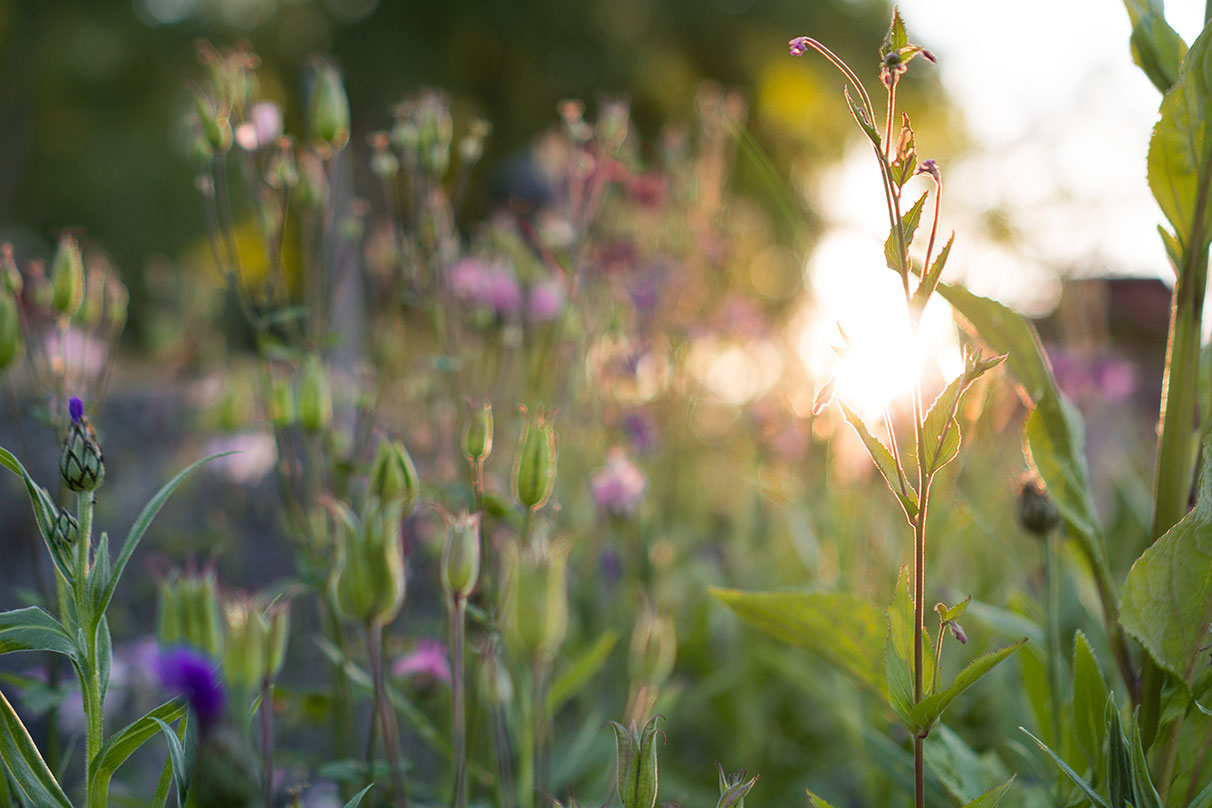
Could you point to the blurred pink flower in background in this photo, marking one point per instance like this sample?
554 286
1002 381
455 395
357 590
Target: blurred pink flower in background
263 126
546 301
618 487
426 662
491 286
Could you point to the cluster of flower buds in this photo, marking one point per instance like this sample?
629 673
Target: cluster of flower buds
190 613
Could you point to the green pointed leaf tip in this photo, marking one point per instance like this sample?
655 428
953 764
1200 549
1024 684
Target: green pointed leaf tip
897 37
993 796
1156 47
909 222
1179 167
884 462
1142 783
1089 696
845 631
947 613
1166 603
816 802
929 709
357 798
1089 793
1119 765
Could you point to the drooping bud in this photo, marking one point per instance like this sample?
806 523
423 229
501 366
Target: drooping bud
1036 513
81 465
315 396
636 754
535 611
477 439
461 554
654 648
393 476
535 470
67 277
368 580
328 107
11 343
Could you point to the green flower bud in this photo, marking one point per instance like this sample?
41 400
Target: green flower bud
11 343
535 470
188 613
315 396
116 300
247 634
277 617
535 611
10 276
329 107
637 764
461 554
368 579
94 300
65 532
67 277
1036 513
281 401
81 465
393 476
733 788
654 648
215 123
477 439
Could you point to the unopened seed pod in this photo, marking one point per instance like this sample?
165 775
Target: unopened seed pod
535 611
315 396
328 108
461 554
10 330
244 660
535 470
477 439
636 752
393 476
368 580
67 277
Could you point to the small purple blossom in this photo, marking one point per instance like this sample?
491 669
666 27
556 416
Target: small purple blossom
618 487
194 675
799 46
490 286
427 661
75 408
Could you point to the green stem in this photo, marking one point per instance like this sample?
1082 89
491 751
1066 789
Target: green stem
458 709
526 749
1052 609
265 711
90 675
374 641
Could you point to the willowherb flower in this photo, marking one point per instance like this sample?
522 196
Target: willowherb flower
195 676
799 46
426 662
618 487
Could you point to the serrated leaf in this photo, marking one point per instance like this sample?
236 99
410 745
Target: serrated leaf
929 282
1179 163
941 431
25 764
845 631
884 462
1166 603
897 37
928 710
993 796
34 629
909 221
1089 696
123 743
141 524
1156 47
1081 784
955 612
899 651
580 670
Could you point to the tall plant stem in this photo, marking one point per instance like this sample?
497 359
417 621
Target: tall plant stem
919 591
374 641
1052 589
266 714
458 695
91 687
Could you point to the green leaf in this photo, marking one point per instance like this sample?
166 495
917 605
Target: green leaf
357 798
892 246
964 773
1119 763
929 282
1089 696
578 672
941 431
1082 785
142 522
861 118
899 651
1179 163
884 462
45 509
896 38
993 796
1156 47
1166 602
34 629
1142 783
816 802
1174 250
184 756
948 613
123 743
26 766
1034 675
928 710
845 631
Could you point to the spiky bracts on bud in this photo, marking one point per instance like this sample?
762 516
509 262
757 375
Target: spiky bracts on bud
81 464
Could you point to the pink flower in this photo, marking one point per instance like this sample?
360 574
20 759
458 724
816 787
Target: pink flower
546 301
618 487
426 662
489 286
263 126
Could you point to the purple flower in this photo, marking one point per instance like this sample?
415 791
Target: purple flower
489 286
618 487
194 675
427 661
641 430
799 46
75 408
546 301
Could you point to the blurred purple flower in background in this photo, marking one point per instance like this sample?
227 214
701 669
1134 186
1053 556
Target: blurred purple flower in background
263 126
617 488
546 301
641 430
490 286
1089 378
189 673
426 662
